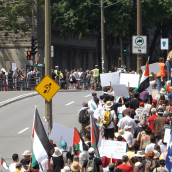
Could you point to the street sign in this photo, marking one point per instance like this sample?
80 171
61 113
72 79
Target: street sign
139 44
164 43
47 88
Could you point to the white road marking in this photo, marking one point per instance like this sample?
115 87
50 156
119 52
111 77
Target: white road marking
23 130
88 95
70 103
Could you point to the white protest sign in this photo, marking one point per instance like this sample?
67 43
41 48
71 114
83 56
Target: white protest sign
167 135
115 148
132 79
13 66
154 67
59 131
120 90
106 78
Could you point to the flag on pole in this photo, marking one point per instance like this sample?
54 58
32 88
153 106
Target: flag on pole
144 82
4 164
37 60
168 161
78 142
33 126
42 147
94 136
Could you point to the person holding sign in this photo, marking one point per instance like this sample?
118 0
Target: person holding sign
96 75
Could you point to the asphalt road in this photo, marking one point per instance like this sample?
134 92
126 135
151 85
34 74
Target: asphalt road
17 119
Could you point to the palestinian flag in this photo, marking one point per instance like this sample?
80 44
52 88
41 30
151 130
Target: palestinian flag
78 142
33 127
42 147
144 82
37 60
4 164
94 136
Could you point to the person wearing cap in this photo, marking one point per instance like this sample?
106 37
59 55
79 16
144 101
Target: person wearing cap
57 160
150 120
154 104
96 76
124 166
162 92
158 124
142 112
127 120
56 71
162 167
119 136
97 161
18 167
110 128
85 108
75 166
138 167
128 136
26 162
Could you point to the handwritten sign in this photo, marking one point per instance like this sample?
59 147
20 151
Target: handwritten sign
167 135
115 148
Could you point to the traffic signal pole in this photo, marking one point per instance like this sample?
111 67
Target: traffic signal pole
48 105
139 32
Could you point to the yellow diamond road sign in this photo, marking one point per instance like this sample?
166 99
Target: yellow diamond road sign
47 88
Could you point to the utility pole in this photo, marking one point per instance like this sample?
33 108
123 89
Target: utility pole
139 32
33 60
48 105
102 37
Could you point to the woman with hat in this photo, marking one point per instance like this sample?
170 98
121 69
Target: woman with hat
120 133
75 166
109 121
57 160
139 156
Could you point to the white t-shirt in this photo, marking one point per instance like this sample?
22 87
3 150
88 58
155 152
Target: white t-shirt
89 103
71 77
43 164
75 74
121 109
149 89
106 169
113 115
12 168
97 112
127 121
128 137
149 147
147 106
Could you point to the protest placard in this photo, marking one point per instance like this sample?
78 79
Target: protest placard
106 78
129 79
120 90
115 149
13 66
167 135
59 131
154 67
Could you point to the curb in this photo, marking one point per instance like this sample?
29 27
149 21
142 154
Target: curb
23 96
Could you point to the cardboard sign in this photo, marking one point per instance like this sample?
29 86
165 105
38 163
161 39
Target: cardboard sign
167 135
106 78
154 67
120 90
115 149
59 131
132 79
13 66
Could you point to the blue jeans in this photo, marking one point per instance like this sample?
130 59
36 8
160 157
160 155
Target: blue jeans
168 65
159 83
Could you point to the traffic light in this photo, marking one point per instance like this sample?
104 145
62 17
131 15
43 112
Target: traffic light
33 45
125 46
28 55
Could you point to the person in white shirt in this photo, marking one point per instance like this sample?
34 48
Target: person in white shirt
75 74
109 129
12 166
90 102
150 147
128 136
147 104
127 120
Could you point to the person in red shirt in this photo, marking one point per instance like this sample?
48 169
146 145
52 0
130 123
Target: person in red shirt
150 120
124 166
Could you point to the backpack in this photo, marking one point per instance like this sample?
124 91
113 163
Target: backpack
91 163
83 116
150 165
107 118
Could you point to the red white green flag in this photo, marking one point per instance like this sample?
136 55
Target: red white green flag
78 142
144 82
4 164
